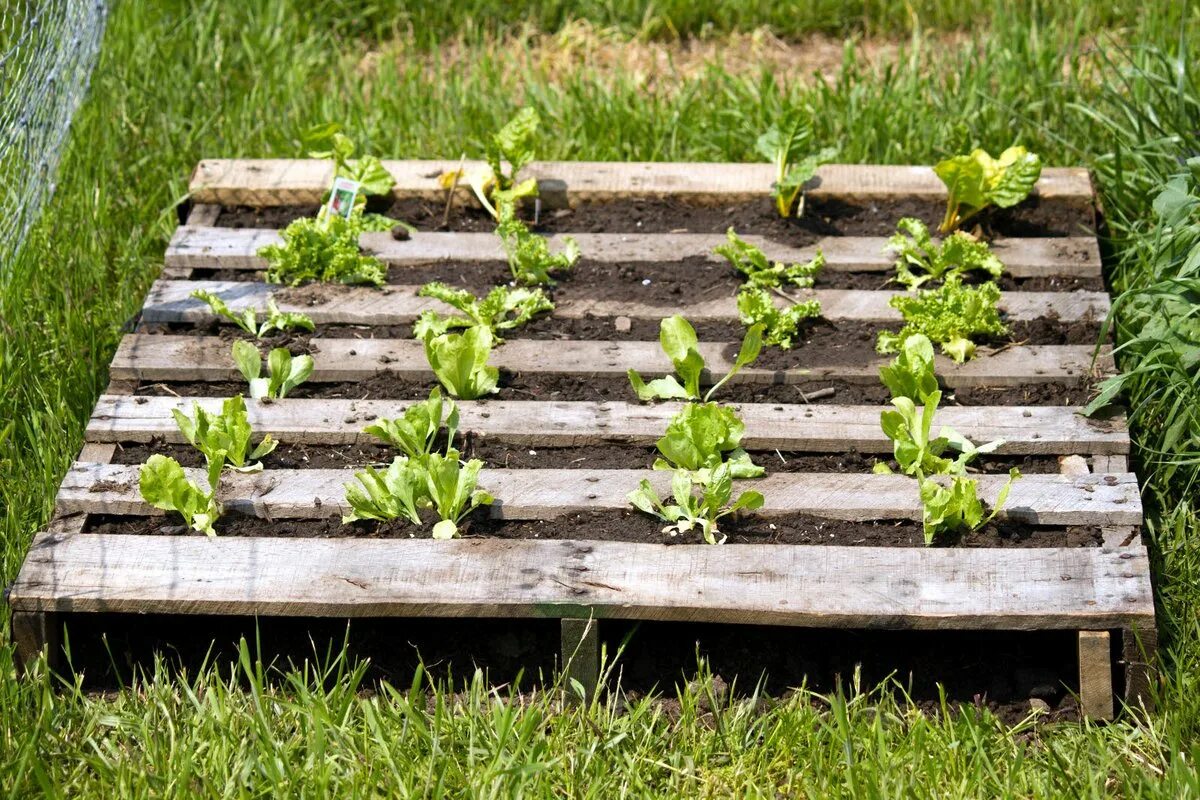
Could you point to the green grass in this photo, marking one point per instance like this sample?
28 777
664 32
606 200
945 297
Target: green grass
180 81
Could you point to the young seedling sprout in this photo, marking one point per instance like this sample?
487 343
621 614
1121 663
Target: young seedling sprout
678 340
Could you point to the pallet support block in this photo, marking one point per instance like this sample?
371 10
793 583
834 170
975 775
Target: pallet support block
1095 675
581 655
37 634
1139 654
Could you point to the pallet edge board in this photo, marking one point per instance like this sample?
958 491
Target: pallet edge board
237 248
267 182
1051 430
171 301
542 494
1061 588
160 357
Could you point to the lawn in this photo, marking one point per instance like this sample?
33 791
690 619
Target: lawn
176 81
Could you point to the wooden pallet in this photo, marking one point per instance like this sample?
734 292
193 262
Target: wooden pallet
1102 592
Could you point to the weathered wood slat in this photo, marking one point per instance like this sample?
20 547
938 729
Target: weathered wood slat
550 493
207 358
171 301
275 182
855 587
1049 430
236 248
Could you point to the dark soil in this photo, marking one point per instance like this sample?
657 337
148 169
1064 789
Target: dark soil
501 455
557 387
621 526
823 217
999 671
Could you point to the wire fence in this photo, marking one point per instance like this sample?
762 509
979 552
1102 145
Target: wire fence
47 51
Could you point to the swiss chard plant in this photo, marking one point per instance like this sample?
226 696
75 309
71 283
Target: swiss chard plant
911 373
919 259
502 309
788 144
954 510
459 360
678 340
781 326
529 257
164 485
275 320
949 316
224 437
414 432
451 485
398 492
977 181
512 144
701 437
367 170
284 371
760 272
322 248
697 506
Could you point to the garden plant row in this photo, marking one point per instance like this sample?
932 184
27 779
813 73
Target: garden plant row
797 393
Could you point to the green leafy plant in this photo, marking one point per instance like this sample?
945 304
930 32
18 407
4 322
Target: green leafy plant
761 272
459 360
678 340
756 307
502 309
224 437
702 436
451 486
956 509
367 170
415 431
397 492
276 320
513 144
284 372
324 248
164 485
919 259
911 373
909 425
977 181
788 145
529 258
697 505
949 315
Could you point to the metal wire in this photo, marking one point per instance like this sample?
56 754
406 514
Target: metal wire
47 51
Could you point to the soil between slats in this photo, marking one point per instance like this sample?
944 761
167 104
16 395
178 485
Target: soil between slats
622 526
600 456
823 217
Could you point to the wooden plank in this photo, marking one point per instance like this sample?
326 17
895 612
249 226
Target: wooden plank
1139 656
813 428
855 587
551 493
160 358
1111 462
580 654
203 214
1095 675
275 182
1118 536
36 634
237 248
171 301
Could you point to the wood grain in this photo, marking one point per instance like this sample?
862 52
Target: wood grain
1095 675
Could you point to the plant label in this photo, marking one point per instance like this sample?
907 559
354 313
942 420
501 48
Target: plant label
342 197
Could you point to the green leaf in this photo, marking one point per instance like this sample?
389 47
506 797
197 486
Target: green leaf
948 316
324 248
460 362
911 374
977 181
164 485
247 359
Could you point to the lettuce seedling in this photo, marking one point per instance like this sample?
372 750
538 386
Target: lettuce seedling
947 511
503 309
678 340
978 181
276 320
788 145
164 485
756 307
324 248
224 437
451 487
911 374
284 371
415 432
367 170
459 360
398 492
949 315
529 258
909 426
761 272
702 436
691 511
920 259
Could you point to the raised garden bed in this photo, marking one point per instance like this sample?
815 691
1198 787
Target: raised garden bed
565 440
